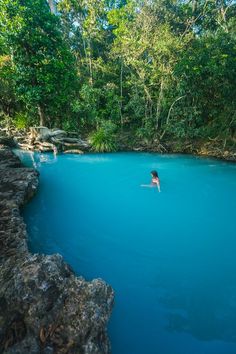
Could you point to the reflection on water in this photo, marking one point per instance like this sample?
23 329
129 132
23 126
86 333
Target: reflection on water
36 159
91 159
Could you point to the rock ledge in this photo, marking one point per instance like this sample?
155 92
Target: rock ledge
44 307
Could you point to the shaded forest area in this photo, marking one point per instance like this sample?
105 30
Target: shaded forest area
134 70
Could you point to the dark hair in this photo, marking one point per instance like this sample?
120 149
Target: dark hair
154 173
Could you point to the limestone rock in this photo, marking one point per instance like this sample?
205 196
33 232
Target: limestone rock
6 138
44 307
39 133
74 151
56 140
57 133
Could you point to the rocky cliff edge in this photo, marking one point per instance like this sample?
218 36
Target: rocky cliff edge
44 307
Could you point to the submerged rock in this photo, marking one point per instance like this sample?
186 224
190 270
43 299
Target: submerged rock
44 307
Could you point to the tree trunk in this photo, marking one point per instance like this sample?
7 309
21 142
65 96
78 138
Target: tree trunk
159 100
168 117
171 107
53 6
121 91
90 63
194 5
42 118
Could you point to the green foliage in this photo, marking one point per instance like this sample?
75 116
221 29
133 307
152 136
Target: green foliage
146 133
9 103
5 121
104 138
88 105
21 120
69 125
159 68
44 71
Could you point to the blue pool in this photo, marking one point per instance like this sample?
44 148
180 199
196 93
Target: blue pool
170 256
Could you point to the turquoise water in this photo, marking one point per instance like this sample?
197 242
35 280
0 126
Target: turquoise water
170 256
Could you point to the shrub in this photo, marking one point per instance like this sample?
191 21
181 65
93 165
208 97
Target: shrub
146 133
21 121
69 125
104 138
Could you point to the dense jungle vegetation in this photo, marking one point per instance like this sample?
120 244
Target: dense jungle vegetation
147 69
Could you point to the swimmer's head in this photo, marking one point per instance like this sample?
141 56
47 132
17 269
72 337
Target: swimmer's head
154 174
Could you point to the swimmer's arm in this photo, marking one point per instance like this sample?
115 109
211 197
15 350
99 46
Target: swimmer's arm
151 186
158 185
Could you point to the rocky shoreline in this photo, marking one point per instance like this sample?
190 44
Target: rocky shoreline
206 149
44 307
42 139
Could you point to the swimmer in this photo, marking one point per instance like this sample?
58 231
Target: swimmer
155 180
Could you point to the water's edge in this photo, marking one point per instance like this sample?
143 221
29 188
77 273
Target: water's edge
44 307
205 150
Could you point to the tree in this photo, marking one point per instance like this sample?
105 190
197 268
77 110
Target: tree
158 69
43 64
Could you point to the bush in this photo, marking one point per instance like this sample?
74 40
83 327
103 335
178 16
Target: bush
104 138
69 125
21 121
5 121
146 134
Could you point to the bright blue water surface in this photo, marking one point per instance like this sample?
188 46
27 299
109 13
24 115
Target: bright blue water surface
170 256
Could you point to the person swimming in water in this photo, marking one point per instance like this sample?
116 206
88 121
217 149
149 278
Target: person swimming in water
155 180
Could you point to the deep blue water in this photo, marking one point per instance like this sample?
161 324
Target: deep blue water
170 256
